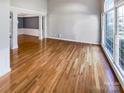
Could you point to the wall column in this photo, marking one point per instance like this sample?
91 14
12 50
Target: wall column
4 38
45 26
40 28
14 33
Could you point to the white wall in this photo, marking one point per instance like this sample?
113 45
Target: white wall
39 5
4 37
32 32
76 20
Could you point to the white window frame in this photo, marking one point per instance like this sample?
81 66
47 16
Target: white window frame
117 41
115 59
103 33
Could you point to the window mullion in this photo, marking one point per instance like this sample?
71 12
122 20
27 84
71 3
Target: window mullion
116 38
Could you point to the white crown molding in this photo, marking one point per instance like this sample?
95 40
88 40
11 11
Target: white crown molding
28 11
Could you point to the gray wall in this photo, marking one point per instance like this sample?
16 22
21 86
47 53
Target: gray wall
20 22
102 5
76 20
28 22
31 22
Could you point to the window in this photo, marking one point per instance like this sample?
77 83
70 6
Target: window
113 33
109 32
120 26
109 27
108 5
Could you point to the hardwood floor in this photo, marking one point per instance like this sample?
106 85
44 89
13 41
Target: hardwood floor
53 66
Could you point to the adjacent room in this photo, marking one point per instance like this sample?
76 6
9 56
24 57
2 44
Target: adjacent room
62 46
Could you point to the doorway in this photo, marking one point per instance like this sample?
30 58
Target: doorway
25 26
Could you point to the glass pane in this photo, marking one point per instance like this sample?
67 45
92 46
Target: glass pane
121 19
120 25
108 4
121 54
109 32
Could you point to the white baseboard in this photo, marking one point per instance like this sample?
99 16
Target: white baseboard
5 72
32 32
4 62
73 40
117 73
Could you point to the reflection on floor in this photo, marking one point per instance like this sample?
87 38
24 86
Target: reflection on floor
53 66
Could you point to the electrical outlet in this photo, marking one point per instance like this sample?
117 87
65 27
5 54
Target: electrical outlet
59 35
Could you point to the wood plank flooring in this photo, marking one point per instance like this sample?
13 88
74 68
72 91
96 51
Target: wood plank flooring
53 66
